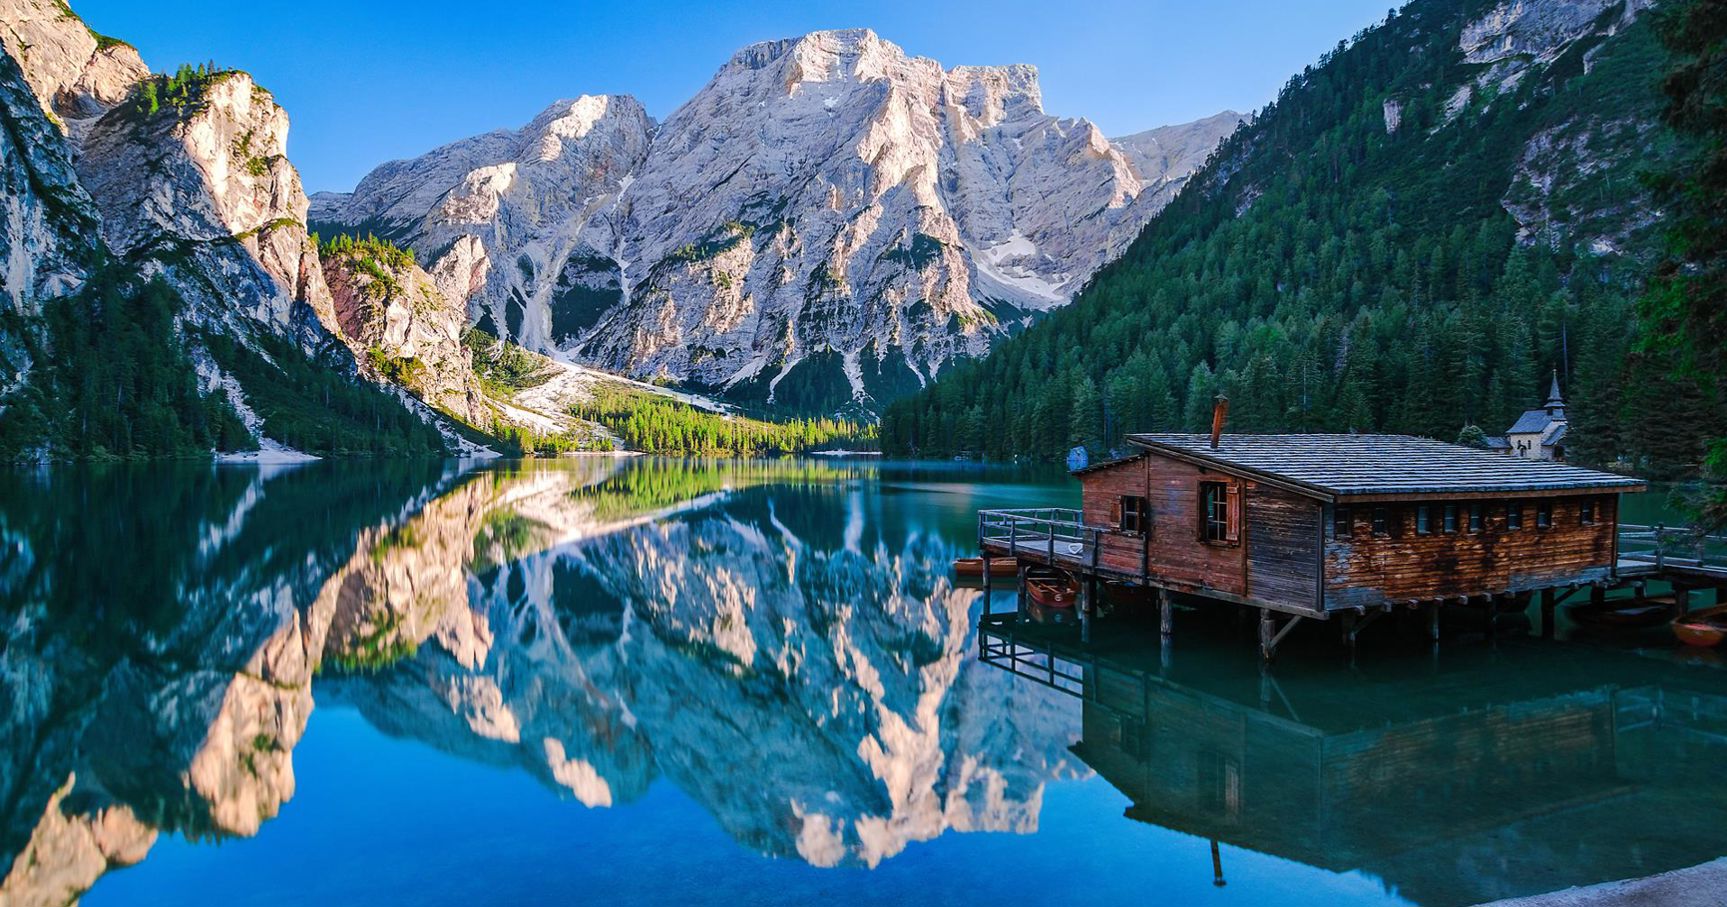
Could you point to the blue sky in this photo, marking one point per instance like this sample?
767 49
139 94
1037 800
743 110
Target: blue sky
370 80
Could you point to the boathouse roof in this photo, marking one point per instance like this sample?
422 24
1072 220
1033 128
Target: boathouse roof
1339 466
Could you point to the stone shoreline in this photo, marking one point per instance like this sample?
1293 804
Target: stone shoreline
1699 886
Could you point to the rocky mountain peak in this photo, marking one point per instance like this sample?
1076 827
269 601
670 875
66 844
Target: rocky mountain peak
826 224
992 94
76 73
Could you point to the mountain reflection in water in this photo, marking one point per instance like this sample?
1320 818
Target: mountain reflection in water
600 623
782 645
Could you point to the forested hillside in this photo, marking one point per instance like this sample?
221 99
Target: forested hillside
1420 229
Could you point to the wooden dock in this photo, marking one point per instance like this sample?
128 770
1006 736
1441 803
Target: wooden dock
1686 561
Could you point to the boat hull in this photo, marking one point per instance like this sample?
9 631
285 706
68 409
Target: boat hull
1052 589
1704 629
973 566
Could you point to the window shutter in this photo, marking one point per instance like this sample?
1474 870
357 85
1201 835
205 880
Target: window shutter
1115 514
1233 532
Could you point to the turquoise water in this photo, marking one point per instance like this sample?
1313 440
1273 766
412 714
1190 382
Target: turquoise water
658 681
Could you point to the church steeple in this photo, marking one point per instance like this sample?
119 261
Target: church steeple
1555 402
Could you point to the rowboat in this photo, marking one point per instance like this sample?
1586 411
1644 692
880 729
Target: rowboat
1051 588
1048 615
1703 629
1624 614
973 566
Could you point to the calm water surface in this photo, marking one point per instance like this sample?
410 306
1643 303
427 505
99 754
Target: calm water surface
703 682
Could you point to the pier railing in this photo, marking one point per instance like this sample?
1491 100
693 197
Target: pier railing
1672 546
1055 532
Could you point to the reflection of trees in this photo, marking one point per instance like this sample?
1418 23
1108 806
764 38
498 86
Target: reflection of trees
158 652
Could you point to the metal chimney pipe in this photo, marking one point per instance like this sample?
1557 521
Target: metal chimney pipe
1219 415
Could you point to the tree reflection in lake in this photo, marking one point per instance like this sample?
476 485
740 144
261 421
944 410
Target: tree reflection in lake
1484 774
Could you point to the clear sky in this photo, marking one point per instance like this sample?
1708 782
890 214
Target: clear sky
366 81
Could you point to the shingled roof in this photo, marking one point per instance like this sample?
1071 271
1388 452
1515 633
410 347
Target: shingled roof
1337 466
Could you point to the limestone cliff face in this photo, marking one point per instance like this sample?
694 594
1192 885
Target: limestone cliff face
500 217
181 178
208 178
76 74
404 329
827 223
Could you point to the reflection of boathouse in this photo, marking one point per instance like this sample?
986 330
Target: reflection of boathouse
1488 777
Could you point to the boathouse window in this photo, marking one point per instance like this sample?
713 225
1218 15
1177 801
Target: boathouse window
1544 515
1382 521
1423 519
1514 515
1135 514
1586 513
1476 517
1342 523
1450 517
1220 508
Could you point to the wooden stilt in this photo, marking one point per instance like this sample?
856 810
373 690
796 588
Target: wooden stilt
1165 613
1433 621
1022 593
1087 606
1267 631
1681 600
1216 866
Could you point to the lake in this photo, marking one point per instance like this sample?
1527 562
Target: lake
659 681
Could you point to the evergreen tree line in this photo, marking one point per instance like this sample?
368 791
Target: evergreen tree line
1686 306
178 90
1328 272
112 379
654 424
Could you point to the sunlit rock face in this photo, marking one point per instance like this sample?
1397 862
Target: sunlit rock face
827 223
400 324
212 180
100 166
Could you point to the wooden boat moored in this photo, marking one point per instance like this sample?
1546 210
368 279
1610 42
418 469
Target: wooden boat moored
1051 588
1704 629
998 566
1623 614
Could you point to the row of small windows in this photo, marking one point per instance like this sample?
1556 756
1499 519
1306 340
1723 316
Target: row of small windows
1450 518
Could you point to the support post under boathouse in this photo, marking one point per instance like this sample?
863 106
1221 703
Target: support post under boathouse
1322 527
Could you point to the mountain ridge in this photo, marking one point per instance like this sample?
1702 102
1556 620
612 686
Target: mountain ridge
827 211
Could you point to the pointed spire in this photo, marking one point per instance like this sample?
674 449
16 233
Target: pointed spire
1555 401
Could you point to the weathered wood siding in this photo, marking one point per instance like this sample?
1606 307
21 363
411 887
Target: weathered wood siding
1178 554
1103 490
1276 559
1283 542
1363 568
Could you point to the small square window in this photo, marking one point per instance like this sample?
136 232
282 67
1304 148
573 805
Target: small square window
1514 516
1342 523
1477 516
1450 517
1135 514
1382 521
1423 519
1586 513
1218 510
1544 515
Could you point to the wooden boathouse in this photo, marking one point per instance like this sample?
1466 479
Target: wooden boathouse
1312 526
